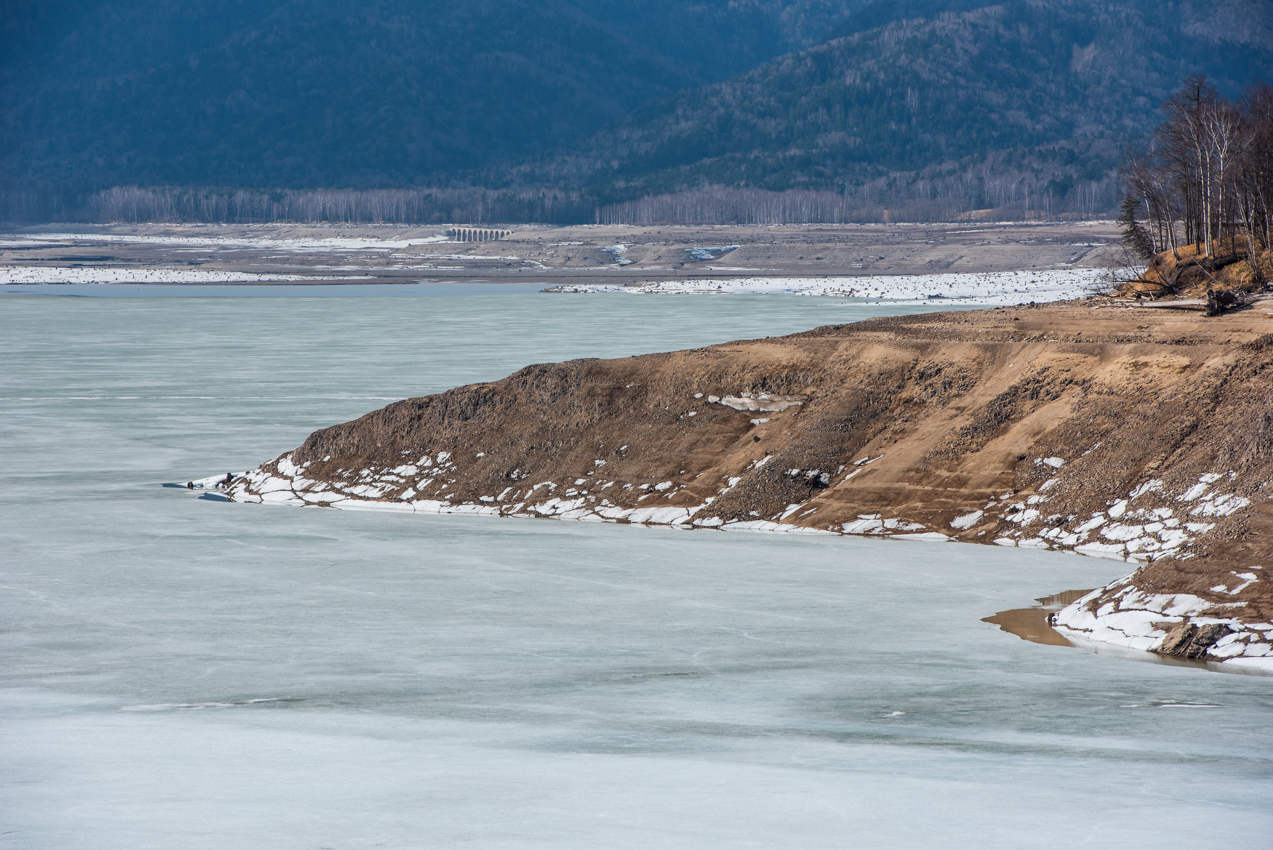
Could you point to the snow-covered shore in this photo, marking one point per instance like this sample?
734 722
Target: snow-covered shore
1127 617
287 485
964 288
1120 614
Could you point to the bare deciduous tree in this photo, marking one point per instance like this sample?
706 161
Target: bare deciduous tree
1210 173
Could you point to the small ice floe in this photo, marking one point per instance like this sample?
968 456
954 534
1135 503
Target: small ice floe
218 482
1210 503
197 706
1246 580
1151 486
1220 506
618 251
1194 492
874 524
1123 531
701 254
1021 515
771 527
967 521
759 402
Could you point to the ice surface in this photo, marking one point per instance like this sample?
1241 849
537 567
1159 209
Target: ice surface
199 675
78 274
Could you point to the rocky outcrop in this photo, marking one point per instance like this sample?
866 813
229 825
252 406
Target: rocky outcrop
1138 435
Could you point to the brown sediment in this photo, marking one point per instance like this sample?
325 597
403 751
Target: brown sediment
1030 624
1127 433
1035 623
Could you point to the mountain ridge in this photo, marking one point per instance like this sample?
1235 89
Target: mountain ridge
340 93
940 107
1048 90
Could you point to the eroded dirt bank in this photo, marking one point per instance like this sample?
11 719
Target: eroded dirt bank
1136 434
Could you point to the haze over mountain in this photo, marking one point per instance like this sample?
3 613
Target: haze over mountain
622 99
349 92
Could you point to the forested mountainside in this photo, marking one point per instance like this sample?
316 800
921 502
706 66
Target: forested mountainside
1056 88
904 105
280 93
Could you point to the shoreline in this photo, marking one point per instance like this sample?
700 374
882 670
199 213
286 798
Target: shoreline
1071 624
1122 434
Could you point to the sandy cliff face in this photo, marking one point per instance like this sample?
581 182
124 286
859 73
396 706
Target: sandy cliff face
1135 434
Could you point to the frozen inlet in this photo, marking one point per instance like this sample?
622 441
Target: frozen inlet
234 677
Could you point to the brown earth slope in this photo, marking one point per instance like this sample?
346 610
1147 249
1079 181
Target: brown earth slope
1137 434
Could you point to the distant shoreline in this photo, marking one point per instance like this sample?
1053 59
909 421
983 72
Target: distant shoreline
582 255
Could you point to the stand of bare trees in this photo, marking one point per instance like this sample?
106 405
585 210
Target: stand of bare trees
993 187
249 206
989 191
1206 188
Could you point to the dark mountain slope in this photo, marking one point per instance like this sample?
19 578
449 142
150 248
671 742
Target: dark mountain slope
345 92
1067 80
321 94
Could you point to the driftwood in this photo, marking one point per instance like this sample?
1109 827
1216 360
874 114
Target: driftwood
1221 301
1207 264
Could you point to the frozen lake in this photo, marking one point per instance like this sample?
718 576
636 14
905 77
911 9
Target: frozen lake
183 673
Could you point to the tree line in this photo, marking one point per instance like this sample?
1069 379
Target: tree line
136 204
992 188
1205 188
989 191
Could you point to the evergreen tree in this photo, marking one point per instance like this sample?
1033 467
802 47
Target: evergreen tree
1135 236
